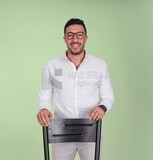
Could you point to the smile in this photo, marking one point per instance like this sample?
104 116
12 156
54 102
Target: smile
75 45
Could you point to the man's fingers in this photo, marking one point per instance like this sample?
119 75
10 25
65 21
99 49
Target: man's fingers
99 117
47 117
39 119
44 117
96 114
92 113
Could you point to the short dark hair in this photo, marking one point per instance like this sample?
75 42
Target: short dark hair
75 21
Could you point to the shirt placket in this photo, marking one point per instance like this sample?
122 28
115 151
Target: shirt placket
75 106
75 90
76 109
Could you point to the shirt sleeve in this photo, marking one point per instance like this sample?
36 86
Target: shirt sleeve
46 91
105 89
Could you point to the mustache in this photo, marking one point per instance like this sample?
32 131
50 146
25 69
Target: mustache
75 43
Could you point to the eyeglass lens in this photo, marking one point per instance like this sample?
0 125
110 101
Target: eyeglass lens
79 35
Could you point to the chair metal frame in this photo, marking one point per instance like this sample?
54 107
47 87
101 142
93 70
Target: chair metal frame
72 130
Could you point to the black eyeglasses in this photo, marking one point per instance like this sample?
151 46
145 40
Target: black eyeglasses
79 35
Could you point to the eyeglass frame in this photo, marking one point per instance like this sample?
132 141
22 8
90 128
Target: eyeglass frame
73 34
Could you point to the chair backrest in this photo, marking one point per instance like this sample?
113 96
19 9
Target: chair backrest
72 130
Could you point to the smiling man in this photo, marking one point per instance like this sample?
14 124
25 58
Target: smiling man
80 86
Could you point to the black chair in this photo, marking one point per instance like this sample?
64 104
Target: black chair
72 130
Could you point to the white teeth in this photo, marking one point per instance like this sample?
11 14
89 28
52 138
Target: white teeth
75 45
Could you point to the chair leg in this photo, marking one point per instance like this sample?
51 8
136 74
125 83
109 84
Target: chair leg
98 140
45 142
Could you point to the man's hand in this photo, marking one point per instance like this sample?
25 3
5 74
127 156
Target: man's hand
44 117
97 113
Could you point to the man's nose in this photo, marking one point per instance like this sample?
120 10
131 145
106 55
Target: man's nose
75 38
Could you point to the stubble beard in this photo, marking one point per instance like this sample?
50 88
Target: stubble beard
76 53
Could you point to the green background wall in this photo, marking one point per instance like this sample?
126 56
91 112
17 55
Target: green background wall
120 32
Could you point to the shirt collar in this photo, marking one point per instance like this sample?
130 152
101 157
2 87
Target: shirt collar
84 59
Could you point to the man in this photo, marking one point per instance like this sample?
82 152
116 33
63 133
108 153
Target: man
80 86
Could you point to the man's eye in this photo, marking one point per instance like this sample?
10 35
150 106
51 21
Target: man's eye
69 35
80 34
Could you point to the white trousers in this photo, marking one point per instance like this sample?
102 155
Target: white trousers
67 151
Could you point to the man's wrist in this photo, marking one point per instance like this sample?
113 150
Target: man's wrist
103 107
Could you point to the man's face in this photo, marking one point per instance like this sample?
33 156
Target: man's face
75 39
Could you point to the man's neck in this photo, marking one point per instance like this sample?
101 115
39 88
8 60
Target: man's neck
76 59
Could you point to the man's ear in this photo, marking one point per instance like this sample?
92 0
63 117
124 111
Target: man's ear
86 37
64 38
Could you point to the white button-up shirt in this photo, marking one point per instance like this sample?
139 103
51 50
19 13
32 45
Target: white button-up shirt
75 91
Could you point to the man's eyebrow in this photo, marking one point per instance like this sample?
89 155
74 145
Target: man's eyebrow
75 32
